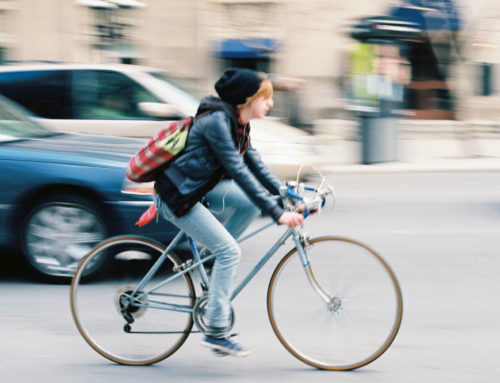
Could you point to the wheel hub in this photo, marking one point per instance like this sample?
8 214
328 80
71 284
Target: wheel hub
126 304
335 305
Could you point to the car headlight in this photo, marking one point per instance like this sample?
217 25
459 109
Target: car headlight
144 188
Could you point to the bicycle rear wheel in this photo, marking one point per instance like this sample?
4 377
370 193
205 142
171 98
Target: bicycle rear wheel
132 328
349 319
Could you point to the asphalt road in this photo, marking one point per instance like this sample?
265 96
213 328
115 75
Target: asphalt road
439 232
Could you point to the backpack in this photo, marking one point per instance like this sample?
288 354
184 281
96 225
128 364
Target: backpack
158 151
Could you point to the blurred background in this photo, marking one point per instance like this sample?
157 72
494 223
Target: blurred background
327 59
306 44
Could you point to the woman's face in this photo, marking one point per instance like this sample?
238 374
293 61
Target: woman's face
260 107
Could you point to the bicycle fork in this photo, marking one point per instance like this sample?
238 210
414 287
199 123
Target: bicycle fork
302 243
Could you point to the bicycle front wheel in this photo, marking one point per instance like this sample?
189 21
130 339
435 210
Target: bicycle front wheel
126 323
339 313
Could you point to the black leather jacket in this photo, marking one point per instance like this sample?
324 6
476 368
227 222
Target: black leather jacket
211 153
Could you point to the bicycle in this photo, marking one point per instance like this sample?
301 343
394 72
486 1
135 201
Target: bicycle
333 302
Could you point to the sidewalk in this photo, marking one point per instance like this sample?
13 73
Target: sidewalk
423 146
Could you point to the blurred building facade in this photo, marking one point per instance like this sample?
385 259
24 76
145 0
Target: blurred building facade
197 39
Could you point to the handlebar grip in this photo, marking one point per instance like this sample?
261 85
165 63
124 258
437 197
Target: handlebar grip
290 193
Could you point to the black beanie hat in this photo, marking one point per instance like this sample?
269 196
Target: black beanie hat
237 84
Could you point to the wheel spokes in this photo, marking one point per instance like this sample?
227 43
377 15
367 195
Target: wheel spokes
348 312
125 325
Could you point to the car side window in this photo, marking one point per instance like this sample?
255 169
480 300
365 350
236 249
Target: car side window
109 95
45 93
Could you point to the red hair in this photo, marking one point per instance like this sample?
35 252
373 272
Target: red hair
265 90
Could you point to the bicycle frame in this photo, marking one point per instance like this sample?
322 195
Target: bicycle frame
198 264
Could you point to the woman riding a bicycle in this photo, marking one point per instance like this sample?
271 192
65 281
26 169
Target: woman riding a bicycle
220 166
333 302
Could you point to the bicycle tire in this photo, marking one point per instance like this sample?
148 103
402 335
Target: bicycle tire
342 340
111 320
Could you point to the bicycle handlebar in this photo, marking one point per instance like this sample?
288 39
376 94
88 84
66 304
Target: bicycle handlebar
292 192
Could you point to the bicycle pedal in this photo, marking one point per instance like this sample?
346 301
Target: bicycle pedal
220 354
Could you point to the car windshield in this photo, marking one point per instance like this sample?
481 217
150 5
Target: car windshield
15 124
183 86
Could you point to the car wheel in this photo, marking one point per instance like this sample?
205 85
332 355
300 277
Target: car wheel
59 231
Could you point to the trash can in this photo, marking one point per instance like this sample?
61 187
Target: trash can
379 137
486 73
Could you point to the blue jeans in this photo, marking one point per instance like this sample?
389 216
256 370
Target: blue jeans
229 213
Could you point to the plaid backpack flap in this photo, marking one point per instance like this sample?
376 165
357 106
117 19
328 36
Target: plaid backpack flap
158 151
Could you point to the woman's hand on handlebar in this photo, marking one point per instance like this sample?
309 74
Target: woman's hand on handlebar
291 219
302 208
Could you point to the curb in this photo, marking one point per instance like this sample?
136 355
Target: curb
456 166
